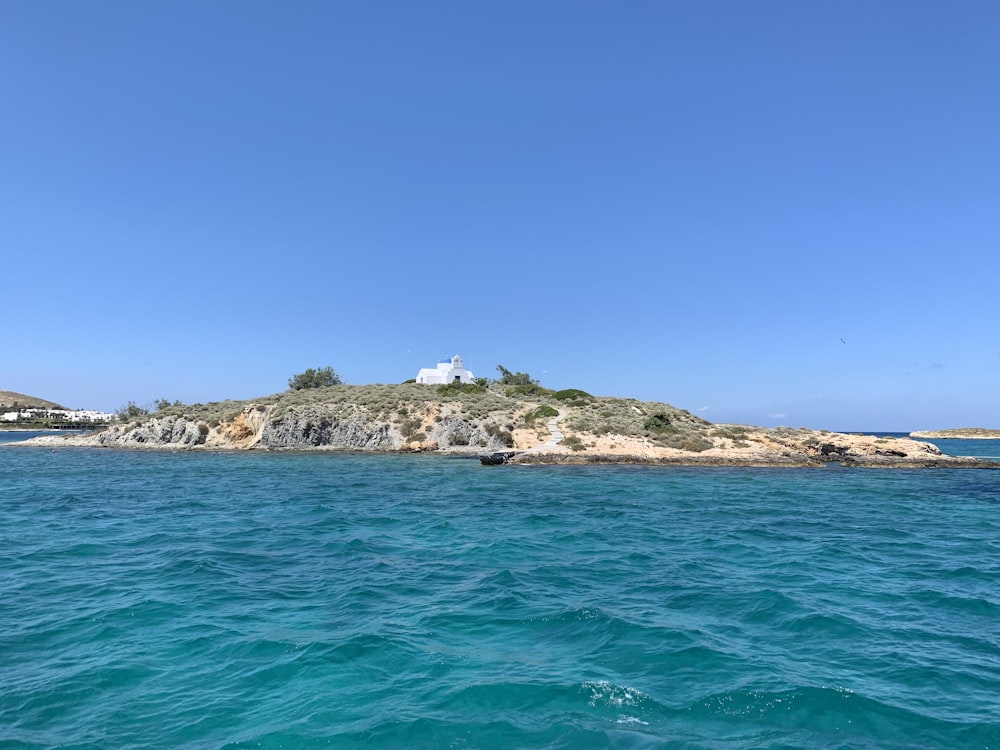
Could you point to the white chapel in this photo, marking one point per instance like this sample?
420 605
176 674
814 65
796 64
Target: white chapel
448 370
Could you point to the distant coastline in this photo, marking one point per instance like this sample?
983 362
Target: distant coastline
522 424
959 433
5 428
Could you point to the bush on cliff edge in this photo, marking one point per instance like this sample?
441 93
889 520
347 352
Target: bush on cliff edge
321 378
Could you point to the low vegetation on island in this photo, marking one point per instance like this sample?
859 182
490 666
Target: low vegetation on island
14 401
959 433
513 415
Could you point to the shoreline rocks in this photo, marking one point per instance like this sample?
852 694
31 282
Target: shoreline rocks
416 419
694 460
859 451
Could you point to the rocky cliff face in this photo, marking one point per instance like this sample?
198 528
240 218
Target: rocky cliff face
305 431
454 432
168 431
306 427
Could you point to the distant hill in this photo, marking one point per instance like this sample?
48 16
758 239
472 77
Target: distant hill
980 433
9 398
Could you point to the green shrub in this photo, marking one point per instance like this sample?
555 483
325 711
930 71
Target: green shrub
658 422
694 444
410 428
132 410
514 378
574 443
321 378
542 412
450 389
529 389
733 433
572 394
507 438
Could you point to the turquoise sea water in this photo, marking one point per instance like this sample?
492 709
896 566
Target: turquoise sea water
212 600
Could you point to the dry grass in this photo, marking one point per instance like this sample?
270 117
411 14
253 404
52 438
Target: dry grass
9 398
413 410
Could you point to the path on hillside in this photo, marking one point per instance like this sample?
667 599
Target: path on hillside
554 432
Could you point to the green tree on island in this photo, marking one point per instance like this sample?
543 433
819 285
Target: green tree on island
132 410
514 378
311 378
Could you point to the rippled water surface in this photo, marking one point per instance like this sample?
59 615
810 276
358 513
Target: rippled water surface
198 600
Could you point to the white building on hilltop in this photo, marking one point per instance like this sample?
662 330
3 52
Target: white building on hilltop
448 370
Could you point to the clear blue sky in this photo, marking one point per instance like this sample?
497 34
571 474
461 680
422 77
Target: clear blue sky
763 212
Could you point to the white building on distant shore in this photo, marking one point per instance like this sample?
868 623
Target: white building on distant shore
448 370
83 416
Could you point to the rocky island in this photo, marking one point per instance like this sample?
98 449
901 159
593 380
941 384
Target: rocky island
965 433
525 423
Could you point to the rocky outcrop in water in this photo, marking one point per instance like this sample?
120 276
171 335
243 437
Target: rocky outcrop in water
527 427
167 431
301 428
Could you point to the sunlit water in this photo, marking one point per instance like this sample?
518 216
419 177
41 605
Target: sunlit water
238 600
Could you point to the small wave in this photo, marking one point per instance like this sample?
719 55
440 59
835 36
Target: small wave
961 605
588 712
837 714
834 626
607 693
435 733
631 720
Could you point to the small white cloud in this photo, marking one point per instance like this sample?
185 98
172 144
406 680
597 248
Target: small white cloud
704 408
777 415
